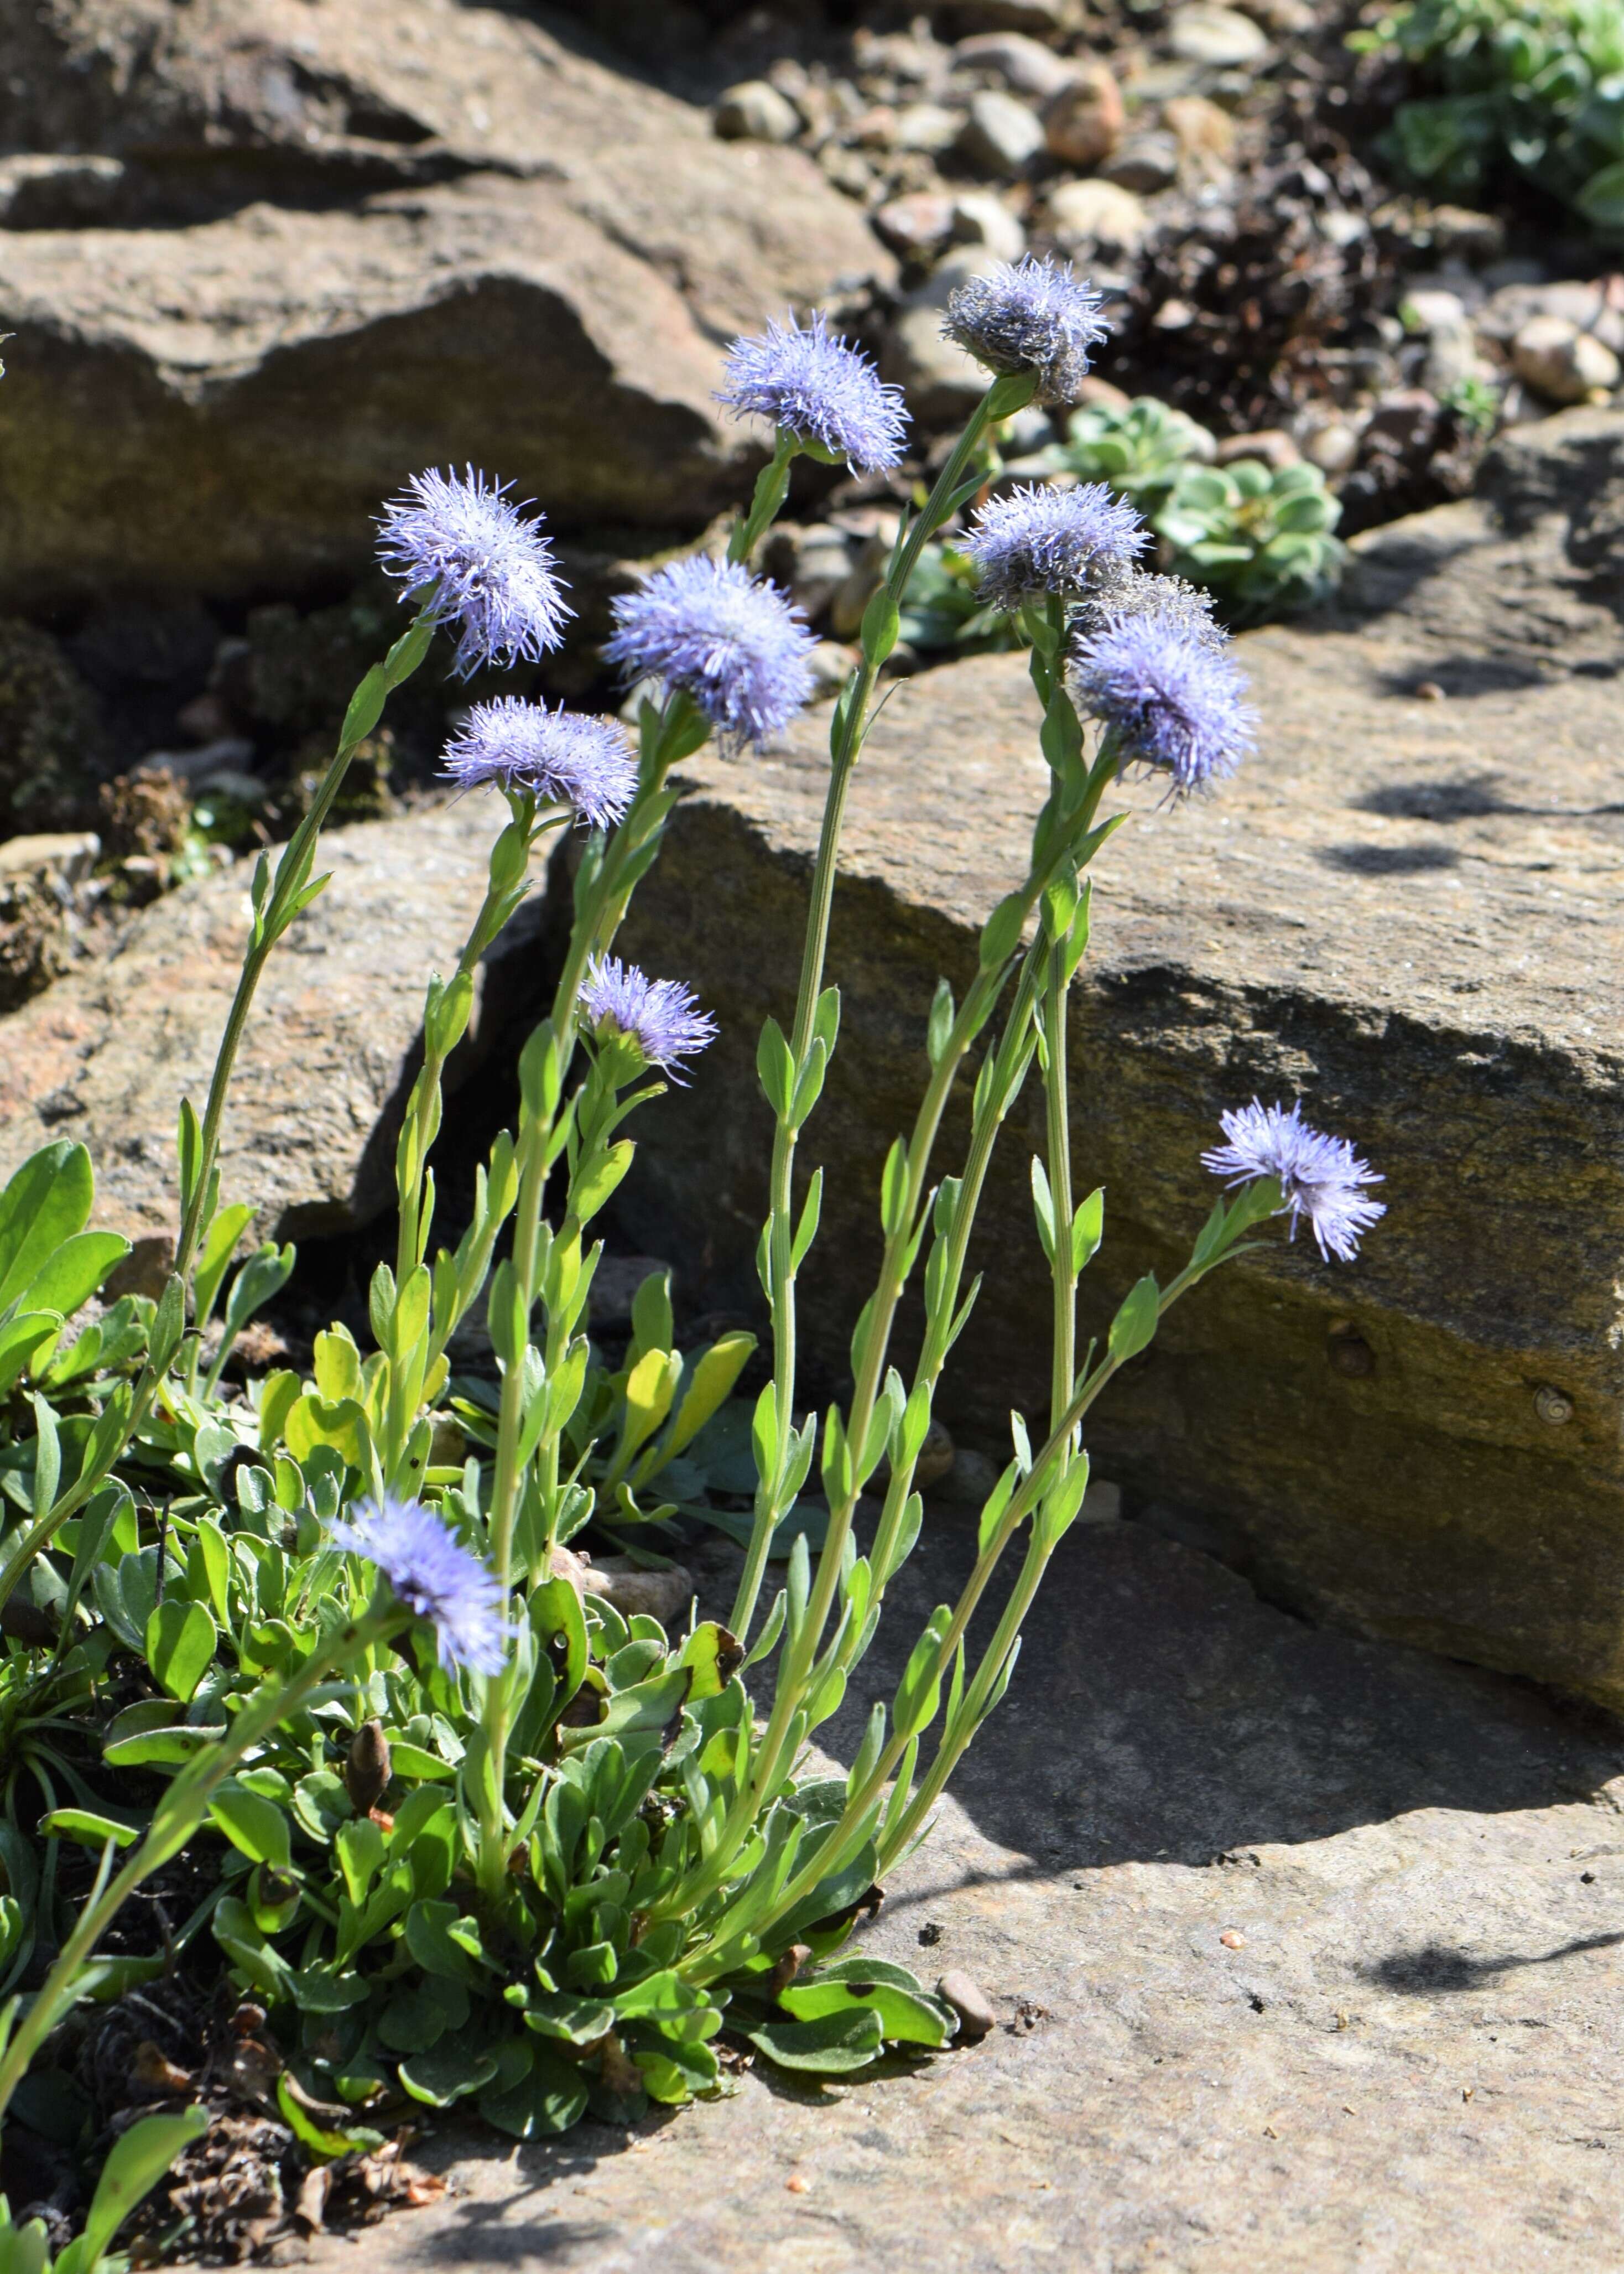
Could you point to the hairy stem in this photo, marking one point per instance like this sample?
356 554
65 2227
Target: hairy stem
850 726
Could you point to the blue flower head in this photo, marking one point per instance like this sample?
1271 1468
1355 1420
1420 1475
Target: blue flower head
1041 540
732 642
433 1575
458 544
1031 315
1320 1178
562 757
819 389
660 1016
1170 693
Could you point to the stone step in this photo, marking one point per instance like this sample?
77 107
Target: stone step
322 260
106 1055
1405 911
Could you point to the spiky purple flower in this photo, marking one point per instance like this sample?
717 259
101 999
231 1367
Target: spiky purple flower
1169 695
1029 315
433 1575
1041 539
661 1016
1320 1178
819 389
562 755
459 544
733 641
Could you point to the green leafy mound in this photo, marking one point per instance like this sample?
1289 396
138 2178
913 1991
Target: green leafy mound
1538 85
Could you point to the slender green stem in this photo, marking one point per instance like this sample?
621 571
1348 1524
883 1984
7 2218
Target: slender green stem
292 872
1063 1362
271 921
851 724
771 488
598 916
445 1020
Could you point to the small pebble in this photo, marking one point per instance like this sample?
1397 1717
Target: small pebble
754 112
1202 33
1232 1939
1001 136
1025 66
1145 165
1085 120
1559 361
972 2004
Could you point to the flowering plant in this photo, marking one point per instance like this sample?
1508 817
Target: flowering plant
479 1834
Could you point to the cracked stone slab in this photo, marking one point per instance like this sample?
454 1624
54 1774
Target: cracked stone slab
331 1046
1406 910
338 251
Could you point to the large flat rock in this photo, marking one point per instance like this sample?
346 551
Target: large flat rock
331 1047
1305 1955
1406 911
338 243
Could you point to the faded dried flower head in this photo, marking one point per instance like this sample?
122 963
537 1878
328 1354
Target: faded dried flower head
1043 539
1029 315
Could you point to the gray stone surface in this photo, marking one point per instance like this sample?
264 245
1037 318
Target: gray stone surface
106 1054
1305 1955
351 240
1405 910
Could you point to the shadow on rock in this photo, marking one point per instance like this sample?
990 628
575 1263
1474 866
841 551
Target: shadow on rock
1436 1966
1161 1711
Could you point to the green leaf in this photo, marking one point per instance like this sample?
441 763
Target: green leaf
317 2139
908 2016
73 1274
775 1067
137 2160
430 1941
588 1191
1000 933
1134 1327
47 1457
44 1204
1087 1229
22 1339
180 1645
360 1848
710 1387
321 1804
365 708
919 1690
549 2100
1601 200
92 1830
894 1187
834 2044
252 1824
1043 1206
318 1990
452 2070
881 623
214 1260
575 2020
